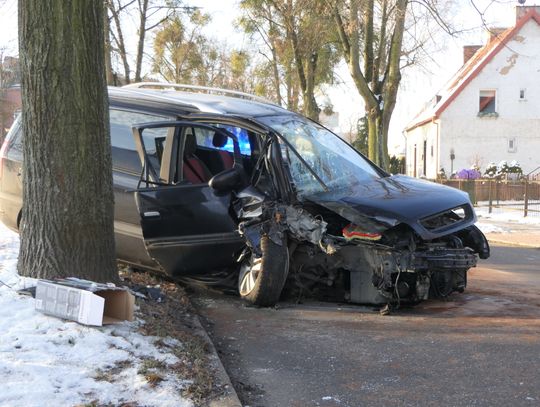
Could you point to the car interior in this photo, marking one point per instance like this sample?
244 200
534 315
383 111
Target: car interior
206 154
194 169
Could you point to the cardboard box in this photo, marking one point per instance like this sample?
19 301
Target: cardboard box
84 301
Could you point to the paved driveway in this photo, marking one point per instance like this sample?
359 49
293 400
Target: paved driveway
480 349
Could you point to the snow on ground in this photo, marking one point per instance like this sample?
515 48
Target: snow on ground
515 217
46 361
489 228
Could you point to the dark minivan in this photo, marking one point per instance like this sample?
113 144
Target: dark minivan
211 183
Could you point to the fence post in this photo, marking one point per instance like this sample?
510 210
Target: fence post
490 197
526 206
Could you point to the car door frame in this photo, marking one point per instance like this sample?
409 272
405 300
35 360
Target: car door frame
282 177
176 244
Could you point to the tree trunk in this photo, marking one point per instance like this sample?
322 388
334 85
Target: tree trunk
120 43
368 7
379 94
311 108
372 136
67 220
108 62
378 124
275 72
140 44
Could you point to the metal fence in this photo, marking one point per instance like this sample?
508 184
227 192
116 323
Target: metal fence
502 195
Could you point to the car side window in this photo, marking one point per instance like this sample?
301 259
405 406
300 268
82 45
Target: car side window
206 153
204 137
125 155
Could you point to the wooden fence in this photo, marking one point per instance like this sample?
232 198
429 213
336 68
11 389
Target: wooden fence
522 195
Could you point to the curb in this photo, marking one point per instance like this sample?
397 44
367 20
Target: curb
231 398
513 243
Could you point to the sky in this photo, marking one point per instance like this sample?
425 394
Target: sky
418 84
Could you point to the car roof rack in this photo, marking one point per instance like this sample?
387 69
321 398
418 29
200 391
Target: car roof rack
201 89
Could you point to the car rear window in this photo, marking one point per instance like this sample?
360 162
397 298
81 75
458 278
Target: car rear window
121 122
123 143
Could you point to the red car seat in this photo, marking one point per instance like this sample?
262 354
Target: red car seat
227 160
193 168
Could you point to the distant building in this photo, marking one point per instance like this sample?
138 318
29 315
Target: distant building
489 111
10 93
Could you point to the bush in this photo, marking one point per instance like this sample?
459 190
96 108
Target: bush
442 174
513 168
491 170
503 168
397 165
468 174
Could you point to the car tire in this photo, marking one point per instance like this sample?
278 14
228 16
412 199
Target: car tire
261 279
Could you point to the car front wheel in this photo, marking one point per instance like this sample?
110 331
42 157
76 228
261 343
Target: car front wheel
261 279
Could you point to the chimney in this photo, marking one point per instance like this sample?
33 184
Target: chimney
469 51
522 10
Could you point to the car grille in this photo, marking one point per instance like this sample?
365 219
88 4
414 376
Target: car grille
446 219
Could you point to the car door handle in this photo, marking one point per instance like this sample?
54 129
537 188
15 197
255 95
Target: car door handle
151 214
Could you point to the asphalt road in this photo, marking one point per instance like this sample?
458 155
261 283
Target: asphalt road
482 348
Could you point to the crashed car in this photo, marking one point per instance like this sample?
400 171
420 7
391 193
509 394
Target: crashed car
232 185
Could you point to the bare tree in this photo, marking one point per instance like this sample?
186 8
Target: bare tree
147 11
180 50
117 33
373 53
149 14
378 39
67 217
299 38
182 53
258 20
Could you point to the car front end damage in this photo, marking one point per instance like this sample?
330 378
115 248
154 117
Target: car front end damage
361 252
354 232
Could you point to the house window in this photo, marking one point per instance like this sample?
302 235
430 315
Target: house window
512 147
487 102
522 94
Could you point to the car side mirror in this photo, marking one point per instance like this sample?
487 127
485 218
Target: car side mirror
226 180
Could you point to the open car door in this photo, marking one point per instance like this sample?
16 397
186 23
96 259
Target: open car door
186 224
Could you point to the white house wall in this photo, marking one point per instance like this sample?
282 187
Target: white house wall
480 140
415 144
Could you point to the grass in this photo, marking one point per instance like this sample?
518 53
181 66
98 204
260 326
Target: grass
153 379
109 374
152 369
174 318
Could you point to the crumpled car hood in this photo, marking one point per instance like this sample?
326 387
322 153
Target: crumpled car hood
385 202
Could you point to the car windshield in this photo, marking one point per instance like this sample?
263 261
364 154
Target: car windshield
333 163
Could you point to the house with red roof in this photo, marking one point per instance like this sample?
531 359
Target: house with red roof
489 111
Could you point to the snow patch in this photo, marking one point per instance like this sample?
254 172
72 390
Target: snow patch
46 361
507 216
489 228
331 398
